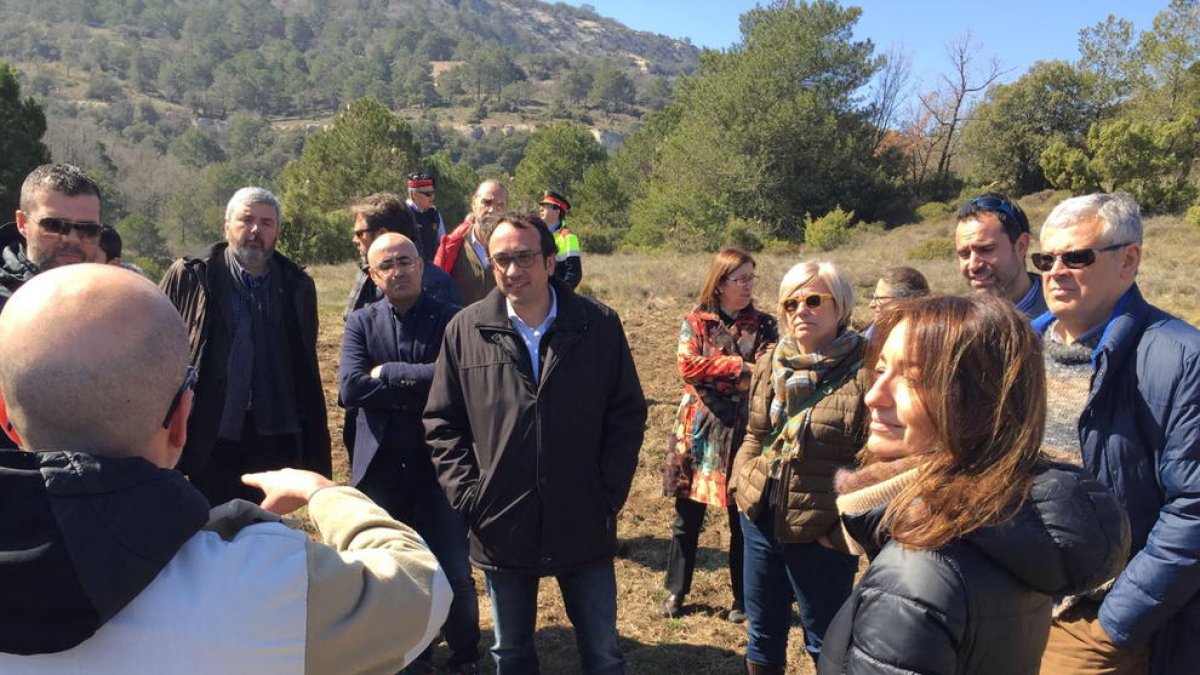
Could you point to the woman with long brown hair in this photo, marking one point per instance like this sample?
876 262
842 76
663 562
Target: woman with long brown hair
970 529
718 344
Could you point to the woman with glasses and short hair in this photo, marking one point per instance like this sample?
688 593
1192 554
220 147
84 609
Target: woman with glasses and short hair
718 344
971 531
807 420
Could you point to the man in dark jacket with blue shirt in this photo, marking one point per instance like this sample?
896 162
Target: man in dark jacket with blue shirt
1130 374
386 366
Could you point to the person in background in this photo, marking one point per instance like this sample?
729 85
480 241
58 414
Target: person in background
1126 378
252 325
422 192
970 529
553 209
58 223
807 420
991 240
897 283
463 253
384 373
719 341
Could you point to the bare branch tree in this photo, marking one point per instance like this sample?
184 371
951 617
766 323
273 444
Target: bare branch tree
949 104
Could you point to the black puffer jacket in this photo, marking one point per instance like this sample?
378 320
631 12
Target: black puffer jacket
981 604
15 267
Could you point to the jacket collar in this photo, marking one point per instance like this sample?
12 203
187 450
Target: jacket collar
571 315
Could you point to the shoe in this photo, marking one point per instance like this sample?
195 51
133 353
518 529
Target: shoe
736 615
671 608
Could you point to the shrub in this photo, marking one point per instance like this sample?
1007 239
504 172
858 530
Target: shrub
599 240
742 235
932 249
830 230
934 211
1193 216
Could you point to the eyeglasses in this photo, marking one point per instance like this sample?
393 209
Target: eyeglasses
400 263
810 300
427 193
189 381
359 234
524 259
880 298
1072 260
746 280
489 201
994 205
61 227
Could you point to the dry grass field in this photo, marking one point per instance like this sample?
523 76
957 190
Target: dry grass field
652 292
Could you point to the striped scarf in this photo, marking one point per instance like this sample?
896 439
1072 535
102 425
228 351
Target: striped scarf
797 380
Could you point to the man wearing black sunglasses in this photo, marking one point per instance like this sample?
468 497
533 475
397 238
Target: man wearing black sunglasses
1123 396
991 239
430 227
58 223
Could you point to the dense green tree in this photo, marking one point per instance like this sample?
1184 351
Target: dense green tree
612 90
366 149
769 130
144 245
576 84
197 149
1017 122
557 157
22 124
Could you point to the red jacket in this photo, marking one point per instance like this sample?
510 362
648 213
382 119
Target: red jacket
451 244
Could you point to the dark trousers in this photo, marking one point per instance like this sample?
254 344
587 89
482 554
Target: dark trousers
407 489
685 538
221 479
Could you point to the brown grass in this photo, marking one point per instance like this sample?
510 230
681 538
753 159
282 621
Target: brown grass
652 292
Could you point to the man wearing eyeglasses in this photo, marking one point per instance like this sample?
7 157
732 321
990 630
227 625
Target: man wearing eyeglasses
991 239
1123 388
463 253
378 214
58 224
386 366
252 322
113 562
422 192
534 419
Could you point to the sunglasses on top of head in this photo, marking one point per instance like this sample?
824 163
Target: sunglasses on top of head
998 206
1072 260
810 300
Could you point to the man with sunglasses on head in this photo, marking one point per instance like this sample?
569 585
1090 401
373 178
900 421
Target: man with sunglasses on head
1124 391
386 366
534 419
58 223
991 239
113 563
252 323
463 253
422 189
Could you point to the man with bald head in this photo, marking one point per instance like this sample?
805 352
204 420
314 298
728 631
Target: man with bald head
463 253
386 365
252 326
108 549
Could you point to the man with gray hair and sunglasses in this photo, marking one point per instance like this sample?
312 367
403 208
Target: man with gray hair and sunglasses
252 328
1124 390
58 223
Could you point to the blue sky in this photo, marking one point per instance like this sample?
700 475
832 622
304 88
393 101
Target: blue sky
1018 32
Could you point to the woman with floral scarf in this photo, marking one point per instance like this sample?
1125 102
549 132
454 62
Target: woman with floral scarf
807 420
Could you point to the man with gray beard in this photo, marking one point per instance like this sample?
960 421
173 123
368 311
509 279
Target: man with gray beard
252 327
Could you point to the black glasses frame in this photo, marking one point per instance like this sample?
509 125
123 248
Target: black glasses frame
524 259
62 227
1075 259
189 381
